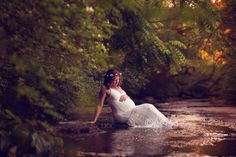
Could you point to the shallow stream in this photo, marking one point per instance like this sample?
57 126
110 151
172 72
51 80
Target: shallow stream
204 129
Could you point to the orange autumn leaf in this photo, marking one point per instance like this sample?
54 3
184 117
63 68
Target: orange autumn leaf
204 54
227 31
217 55
215 58
218 4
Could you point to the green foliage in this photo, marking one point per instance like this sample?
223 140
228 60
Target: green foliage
26 139
137 37
53 47
54 54
44 142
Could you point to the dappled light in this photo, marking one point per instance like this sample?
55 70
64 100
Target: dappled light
202 128
219 4
227 31
176 55
215 58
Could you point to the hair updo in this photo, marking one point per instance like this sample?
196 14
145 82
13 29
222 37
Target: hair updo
109 76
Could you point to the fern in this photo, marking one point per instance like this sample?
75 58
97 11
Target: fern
177 44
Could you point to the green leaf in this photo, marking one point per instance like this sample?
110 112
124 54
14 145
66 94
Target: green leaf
40 143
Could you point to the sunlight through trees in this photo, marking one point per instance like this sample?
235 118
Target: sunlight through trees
53 55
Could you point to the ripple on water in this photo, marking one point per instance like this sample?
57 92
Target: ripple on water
200 133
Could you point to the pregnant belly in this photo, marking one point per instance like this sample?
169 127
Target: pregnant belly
126 105
129 103
122 117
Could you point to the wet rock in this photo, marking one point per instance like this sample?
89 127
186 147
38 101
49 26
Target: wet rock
78 128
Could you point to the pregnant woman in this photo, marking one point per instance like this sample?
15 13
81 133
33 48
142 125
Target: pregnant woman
123 107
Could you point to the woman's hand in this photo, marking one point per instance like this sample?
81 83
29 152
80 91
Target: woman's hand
90 122
123 97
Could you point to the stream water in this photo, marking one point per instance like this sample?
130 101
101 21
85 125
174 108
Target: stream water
204 129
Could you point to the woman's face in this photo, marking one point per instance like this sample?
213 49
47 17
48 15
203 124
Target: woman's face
115 82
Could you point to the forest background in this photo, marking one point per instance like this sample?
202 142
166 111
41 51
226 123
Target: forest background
54 53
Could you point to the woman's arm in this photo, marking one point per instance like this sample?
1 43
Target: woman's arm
102 96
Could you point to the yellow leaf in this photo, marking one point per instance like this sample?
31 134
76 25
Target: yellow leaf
227 31
217 55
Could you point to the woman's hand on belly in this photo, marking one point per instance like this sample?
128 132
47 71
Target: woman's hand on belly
123 97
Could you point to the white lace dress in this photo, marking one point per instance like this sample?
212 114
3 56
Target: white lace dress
144 115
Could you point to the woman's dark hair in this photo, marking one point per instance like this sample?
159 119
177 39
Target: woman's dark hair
109 76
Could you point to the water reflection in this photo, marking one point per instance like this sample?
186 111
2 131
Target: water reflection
222 148
138 141
122 142
154 142
201 133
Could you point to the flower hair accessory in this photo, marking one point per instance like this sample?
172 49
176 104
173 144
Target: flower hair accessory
113 75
